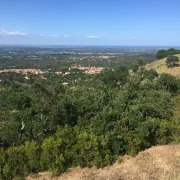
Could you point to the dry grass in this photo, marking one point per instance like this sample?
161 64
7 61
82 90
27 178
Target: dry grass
161 67
156 163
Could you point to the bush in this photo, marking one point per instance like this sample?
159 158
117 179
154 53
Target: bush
90 151
168 82
150 74
16 162
164 53
172 61
52 157
33 151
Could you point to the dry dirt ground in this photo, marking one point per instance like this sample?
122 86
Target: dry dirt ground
156 163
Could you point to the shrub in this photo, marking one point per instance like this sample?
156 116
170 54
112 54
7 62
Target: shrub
172 61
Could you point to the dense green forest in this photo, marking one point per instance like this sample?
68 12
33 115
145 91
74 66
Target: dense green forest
164 53
45 126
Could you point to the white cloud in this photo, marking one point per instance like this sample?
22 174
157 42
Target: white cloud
11 33
16 33
66 35
48 35
133 37
2 31
53 36
92 37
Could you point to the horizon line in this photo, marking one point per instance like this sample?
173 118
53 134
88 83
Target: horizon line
89 45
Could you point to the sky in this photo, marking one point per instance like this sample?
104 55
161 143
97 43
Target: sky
90 22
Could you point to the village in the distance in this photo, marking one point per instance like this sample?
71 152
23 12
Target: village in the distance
67 62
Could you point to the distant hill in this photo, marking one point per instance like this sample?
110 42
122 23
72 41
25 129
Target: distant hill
161 67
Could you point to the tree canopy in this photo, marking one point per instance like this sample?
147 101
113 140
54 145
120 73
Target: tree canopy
164 53
45 126
172 61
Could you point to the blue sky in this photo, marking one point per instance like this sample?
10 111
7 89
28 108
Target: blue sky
90 22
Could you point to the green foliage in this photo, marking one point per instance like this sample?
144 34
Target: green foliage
52 157
115 76
172 61
168 82
45 126
137 65
134 67
164 53
32 151
3 158
91 151
150 74
16 162
140 61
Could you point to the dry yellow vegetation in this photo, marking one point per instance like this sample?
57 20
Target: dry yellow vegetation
161 67
156 163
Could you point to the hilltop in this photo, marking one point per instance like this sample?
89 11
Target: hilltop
156 163
161 67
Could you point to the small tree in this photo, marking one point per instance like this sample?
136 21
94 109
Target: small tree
140 61
168 82
172 61
138 64
134 67
150 74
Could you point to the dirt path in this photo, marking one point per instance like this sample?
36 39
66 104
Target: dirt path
156 163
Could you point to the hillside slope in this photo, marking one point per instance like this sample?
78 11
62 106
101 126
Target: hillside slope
156 163
161 67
